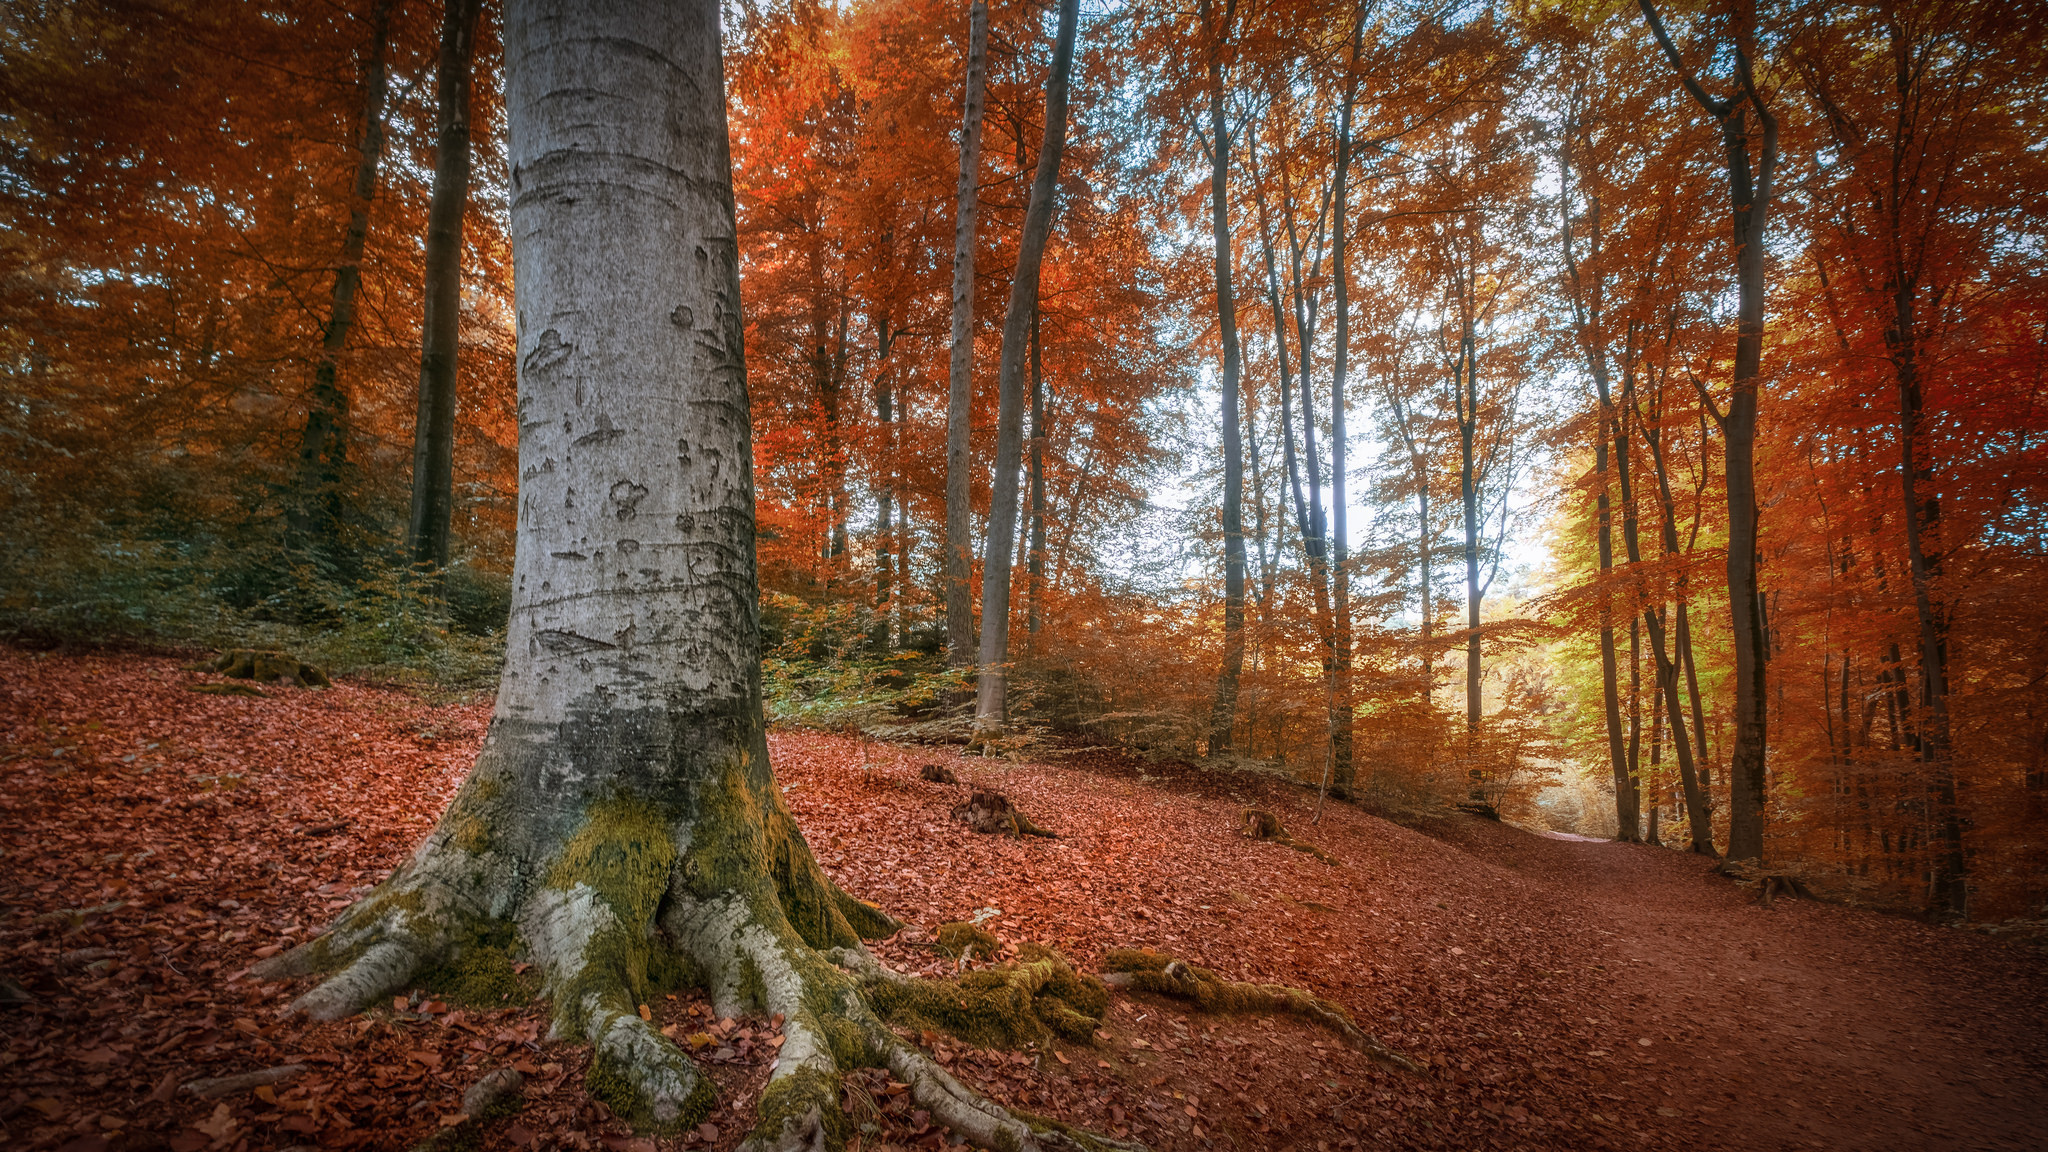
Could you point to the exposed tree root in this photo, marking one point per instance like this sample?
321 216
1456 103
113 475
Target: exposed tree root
1258 824
631 905
987 811
1156 972
1029 1001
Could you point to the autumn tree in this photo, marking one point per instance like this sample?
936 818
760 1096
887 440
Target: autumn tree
1749 190
990 706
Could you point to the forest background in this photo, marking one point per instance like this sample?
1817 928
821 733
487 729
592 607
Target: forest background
1406 389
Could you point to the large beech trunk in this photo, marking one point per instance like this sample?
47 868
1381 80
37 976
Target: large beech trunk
433 445
622 828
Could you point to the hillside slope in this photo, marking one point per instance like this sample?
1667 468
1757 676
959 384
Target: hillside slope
1565 994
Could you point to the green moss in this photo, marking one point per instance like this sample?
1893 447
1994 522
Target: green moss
1008 1007
753 991
481 976
624 853
743 837
792 1098
1160 974
958 936
606 1082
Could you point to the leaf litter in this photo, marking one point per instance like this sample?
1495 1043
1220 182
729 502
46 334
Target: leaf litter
158 842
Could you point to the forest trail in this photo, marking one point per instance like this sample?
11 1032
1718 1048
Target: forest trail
157 841
1812 1025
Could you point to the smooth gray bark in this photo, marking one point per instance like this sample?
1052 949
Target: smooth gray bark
991 703
433 443
960 381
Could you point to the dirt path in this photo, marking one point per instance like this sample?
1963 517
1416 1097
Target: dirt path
1801 1025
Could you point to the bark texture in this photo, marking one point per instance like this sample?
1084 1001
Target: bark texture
433 444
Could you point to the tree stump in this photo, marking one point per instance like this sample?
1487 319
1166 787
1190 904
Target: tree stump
992 812
1259 824
266 666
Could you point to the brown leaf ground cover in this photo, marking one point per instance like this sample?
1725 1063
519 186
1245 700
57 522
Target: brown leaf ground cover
1563 994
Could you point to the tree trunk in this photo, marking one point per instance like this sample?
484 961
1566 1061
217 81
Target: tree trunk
1034 567
622 818
1610 688
1749 189
317 512
1698 807
433 443
1223 713
991 704
1341 709
1465 384
960 394
879 637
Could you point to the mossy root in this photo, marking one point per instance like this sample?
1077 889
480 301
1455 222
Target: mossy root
1147 971
1026 1002
630 905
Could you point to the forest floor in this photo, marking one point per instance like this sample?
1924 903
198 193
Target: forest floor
1564 993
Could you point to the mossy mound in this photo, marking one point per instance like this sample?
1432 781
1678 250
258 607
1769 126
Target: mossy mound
1144 970
1029 1001
956 938
269 667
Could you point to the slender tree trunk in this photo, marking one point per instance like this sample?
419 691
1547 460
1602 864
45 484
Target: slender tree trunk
1423 572
1223 713
960 394
1341 710
1951 888
991 704
1749 188
1656 788
1466 387
886 542
1698 802
1610 689
433 451
1035 564
316 515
